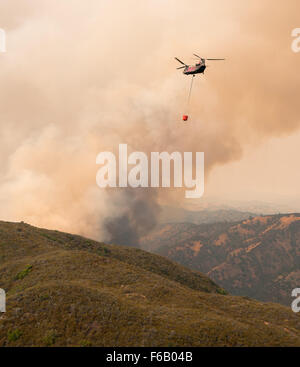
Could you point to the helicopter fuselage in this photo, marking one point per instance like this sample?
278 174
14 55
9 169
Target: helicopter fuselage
196 69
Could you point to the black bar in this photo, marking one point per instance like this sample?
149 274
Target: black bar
147 356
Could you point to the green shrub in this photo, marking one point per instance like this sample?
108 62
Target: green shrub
14 335
222 291
103 251
44 297
50 338
85 343
22 274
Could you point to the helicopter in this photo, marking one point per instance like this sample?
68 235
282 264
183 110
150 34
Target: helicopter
199 68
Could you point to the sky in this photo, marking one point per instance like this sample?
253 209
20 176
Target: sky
268 172
82 77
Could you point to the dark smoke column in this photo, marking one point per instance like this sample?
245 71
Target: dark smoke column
139 218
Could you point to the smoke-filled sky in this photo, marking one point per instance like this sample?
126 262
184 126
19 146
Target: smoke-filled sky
81 77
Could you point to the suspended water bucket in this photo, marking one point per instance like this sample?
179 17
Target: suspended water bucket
185 117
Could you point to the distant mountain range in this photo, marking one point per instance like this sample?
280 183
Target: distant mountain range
66 290
216 210
258 257
179 215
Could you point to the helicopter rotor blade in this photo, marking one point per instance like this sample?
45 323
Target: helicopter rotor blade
180 61
181 67
207 59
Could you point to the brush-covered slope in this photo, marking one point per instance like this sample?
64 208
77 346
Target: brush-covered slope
258 257
65 290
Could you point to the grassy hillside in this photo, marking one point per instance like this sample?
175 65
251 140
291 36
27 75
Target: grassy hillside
65 290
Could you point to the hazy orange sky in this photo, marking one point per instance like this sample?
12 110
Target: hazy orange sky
80 77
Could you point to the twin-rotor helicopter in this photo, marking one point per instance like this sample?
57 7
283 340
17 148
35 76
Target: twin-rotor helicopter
198 68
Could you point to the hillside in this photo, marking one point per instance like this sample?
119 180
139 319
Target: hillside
258 257
66 290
